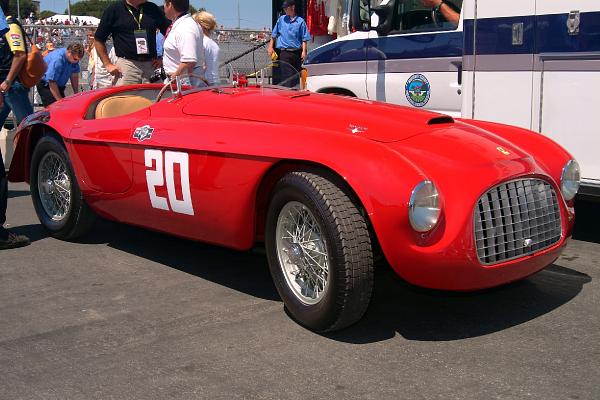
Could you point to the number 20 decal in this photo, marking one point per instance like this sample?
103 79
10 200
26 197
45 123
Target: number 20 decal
156 178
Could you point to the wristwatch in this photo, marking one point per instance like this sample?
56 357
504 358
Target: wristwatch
437 8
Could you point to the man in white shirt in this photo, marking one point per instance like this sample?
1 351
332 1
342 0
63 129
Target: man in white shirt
183 50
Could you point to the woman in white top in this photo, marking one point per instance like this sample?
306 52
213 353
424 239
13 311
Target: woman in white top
211 48
183 51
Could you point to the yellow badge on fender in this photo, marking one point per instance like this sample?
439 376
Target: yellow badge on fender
501 150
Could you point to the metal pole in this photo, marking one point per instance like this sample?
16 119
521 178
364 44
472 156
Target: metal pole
69 7
18 10
238 4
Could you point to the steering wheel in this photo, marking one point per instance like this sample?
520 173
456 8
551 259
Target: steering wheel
174 81
434 18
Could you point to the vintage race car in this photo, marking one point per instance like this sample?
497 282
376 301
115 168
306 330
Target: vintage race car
328 183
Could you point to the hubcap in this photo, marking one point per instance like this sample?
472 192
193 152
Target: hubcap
54 186
302 252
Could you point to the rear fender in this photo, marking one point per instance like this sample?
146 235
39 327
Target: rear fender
30 131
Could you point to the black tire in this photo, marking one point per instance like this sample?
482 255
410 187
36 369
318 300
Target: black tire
349 251
79 218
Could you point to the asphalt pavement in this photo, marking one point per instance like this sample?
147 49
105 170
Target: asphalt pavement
132 314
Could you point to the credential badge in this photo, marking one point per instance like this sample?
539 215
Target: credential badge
143 132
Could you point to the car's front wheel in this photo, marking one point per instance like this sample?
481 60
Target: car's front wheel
56 197
319 251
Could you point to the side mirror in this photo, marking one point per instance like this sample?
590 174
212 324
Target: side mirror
384 16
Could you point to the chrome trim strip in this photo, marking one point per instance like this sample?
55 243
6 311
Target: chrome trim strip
413 66
339 68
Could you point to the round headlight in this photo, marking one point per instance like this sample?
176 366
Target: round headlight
570 180
424 207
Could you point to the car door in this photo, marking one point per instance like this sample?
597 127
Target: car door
101 153
415 60
186 180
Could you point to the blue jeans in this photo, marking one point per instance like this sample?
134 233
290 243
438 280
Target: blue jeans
17 100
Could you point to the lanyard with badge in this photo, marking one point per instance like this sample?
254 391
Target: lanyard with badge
141 38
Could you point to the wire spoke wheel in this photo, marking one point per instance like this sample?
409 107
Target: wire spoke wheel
302 252
57 199
54 186
319 250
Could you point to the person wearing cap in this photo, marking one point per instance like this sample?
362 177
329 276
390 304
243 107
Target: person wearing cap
291 34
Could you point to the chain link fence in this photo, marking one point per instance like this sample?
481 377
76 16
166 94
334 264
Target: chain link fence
241 51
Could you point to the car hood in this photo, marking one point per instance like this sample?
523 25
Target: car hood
463 152
373 120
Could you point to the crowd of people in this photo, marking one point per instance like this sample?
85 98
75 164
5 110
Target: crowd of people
147 42
141 33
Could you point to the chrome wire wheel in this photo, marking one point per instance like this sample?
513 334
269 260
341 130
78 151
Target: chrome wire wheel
54 186
302 252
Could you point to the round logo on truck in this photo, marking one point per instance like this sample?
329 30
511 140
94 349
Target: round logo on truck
417 90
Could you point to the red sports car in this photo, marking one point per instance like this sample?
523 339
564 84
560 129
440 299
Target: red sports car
325 182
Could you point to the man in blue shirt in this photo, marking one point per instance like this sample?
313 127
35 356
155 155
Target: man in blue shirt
63 64
291 34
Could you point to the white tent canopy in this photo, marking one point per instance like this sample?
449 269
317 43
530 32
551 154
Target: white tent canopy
61 18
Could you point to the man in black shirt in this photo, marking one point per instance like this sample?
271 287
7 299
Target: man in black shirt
133 25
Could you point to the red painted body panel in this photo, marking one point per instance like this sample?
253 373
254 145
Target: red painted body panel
235 138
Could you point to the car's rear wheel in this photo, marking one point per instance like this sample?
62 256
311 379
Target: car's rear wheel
319 251
56 197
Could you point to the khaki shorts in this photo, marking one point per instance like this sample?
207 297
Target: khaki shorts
133 72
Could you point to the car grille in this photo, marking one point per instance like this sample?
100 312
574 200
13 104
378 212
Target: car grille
515 219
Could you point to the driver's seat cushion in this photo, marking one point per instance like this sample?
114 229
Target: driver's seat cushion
116 106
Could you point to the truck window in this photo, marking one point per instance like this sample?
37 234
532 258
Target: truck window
420 16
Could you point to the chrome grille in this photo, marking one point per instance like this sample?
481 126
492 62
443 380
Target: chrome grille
515 219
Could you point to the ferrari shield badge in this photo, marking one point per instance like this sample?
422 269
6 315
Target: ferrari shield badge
417 90
501 150
143 132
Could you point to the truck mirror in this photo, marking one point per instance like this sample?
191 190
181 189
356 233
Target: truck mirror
384 14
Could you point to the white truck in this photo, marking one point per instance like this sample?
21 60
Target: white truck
530 63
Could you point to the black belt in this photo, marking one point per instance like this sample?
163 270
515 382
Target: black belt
292 50
140 58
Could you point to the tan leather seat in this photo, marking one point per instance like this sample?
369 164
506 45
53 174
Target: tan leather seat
116 106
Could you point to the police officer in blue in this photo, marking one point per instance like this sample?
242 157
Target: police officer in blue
291 35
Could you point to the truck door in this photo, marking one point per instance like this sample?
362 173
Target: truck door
499 61
415 55
567 90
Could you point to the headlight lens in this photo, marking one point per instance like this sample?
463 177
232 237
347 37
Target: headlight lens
424 207
570 180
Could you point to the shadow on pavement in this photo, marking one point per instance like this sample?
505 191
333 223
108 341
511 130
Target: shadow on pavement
18 193
396 308
587 221
429 315
246 272
33 232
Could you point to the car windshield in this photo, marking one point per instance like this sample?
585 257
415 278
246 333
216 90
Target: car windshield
275 74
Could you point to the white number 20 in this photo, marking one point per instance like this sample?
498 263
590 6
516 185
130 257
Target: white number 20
156 178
